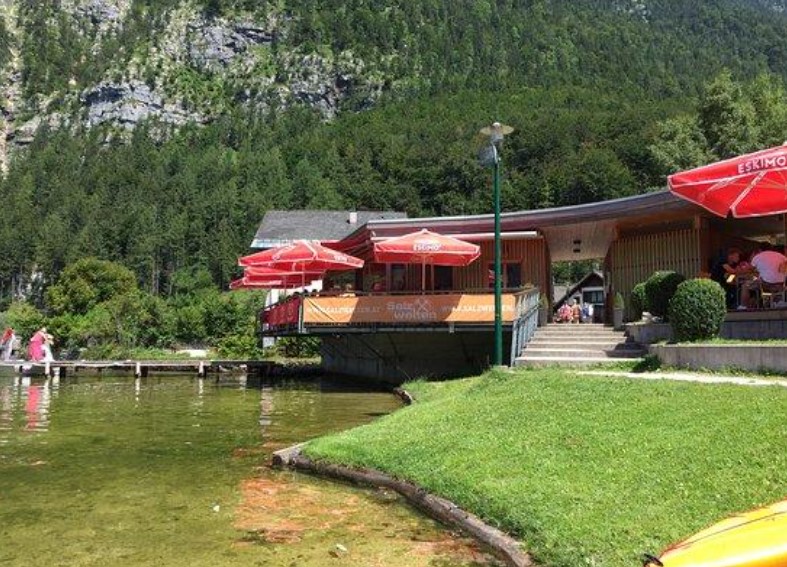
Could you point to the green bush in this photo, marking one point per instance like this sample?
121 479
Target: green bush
240 347
697 310
25 319
639 301
659 289
298 347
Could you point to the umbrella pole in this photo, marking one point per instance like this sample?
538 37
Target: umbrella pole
423 276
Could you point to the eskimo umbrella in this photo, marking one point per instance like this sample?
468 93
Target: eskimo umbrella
302 256
425 247
751 185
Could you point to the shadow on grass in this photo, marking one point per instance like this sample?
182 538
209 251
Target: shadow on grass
649 363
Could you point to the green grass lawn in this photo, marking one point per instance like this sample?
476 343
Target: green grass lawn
585 471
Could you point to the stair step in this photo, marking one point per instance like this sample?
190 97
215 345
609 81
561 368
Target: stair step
579 333
579 342
540 361
574 353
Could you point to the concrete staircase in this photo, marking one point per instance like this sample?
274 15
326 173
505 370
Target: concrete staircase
569 344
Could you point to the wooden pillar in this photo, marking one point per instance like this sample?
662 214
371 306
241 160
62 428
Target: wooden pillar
704 253
201 371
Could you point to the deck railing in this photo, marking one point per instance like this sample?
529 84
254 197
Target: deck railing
301 313
525 321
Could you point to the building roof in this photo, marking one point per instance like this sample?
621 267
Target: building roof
588 228
279 228
583 283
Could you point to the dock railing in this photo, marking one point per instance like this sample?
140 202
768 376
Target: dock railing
525 320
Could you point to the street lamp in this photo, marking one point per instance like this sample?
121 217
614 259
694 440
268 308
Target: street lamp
491 156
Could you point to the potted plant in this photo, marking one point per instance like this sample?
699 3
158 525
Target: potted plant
619 308
543 311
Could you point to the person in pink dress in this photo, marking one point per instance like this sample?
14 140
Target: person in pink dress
35 349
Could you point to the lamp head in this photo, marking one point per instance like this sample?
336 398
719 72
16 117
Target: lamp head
496 132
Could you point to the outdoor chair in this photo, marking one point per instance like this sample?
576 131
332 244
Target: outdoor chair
774 296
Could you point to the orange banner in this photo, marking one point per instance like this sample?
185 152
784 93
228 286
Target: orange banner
405 309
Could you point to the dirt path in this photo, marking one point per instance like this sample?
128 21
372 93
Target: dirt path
688 377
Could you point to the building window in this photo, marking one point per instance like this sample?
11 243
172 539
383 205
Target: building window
512 275
443 278
595 296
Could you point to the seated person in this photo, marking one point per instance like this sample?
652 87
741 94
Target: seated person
724 272
564 314
587 313
770 266
576 312
349 291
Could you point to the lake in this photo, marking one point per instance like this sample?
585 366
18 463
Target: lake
172 470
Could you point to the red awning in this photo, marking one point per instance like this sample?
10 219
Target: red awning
752 185
302 256
425 247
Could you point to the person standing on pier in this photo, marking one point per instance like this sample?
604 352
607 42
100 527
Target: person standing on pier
35 349
7 343
46 347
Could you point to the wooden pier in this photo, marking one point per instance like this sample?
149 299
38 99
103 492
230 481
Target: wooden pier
139 368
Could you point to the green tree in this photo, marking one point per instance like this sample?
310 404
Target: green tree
87 283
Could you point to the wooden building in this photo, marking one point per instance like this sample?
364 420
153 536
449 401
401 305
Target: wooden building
633 237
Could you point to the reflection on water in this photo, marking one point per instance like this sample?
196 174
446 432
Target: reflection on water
172 471
25 404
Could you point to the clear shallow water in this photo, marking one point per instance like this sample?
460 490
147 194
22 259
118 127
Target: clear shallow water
172 471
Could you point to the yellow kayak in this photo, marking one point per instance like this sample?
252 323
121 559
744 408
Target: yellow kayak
754 539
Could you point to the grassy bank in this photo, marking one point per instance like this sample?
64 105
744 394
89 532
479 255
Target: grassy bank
587 471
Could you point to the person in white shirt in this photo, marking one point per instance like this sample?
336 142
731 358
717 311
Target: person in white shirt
772 269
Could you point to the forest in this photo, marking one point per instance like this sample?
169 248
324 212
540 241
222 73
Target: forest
607 98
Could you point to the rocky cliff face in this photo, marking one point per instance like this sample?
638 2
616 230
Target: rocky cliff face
185 67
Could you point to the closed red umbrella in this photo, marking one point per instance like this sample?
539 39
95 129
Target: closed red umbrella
425 247
751 185
302 256
269 278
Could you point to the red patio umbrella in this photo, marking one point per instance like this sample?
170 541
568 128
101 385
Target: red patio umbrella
751 185
269 278
302 256
425 247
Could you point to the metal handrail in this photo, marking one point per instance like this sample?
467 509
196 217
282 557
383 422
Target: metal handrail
525 321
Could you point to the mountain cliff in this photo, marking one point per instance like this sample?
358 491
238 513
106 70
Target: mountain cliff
121 62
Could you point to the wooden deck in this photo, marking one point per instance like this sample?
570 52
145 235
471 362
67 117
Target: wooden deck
140 368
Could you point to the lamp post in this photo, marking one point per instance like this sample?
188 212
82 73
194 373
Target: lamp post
496 132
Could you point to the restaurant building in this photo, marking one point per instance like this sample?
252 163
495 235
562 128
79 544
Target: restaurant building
400 322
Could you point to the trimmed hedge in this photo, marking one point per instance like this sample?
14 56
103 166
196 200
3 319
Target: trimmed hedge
659 289
697 310
639 301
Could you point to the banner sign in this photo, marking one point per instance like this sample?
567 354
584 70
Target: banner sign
405 309
283 314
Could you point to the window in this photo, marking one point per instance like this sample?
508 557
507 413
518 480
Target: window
512 275
594 296
443 278
398 277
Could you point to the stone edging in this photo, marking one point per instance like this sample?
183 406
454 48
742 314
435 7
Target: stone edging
748 357
439 508
404 395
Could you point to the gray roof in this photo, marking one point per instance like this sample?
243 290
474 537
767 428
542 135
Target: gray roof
571 290
282 227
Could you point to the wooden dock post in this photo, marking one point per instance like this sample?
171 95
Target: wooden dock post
201 370
61 372
138 370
